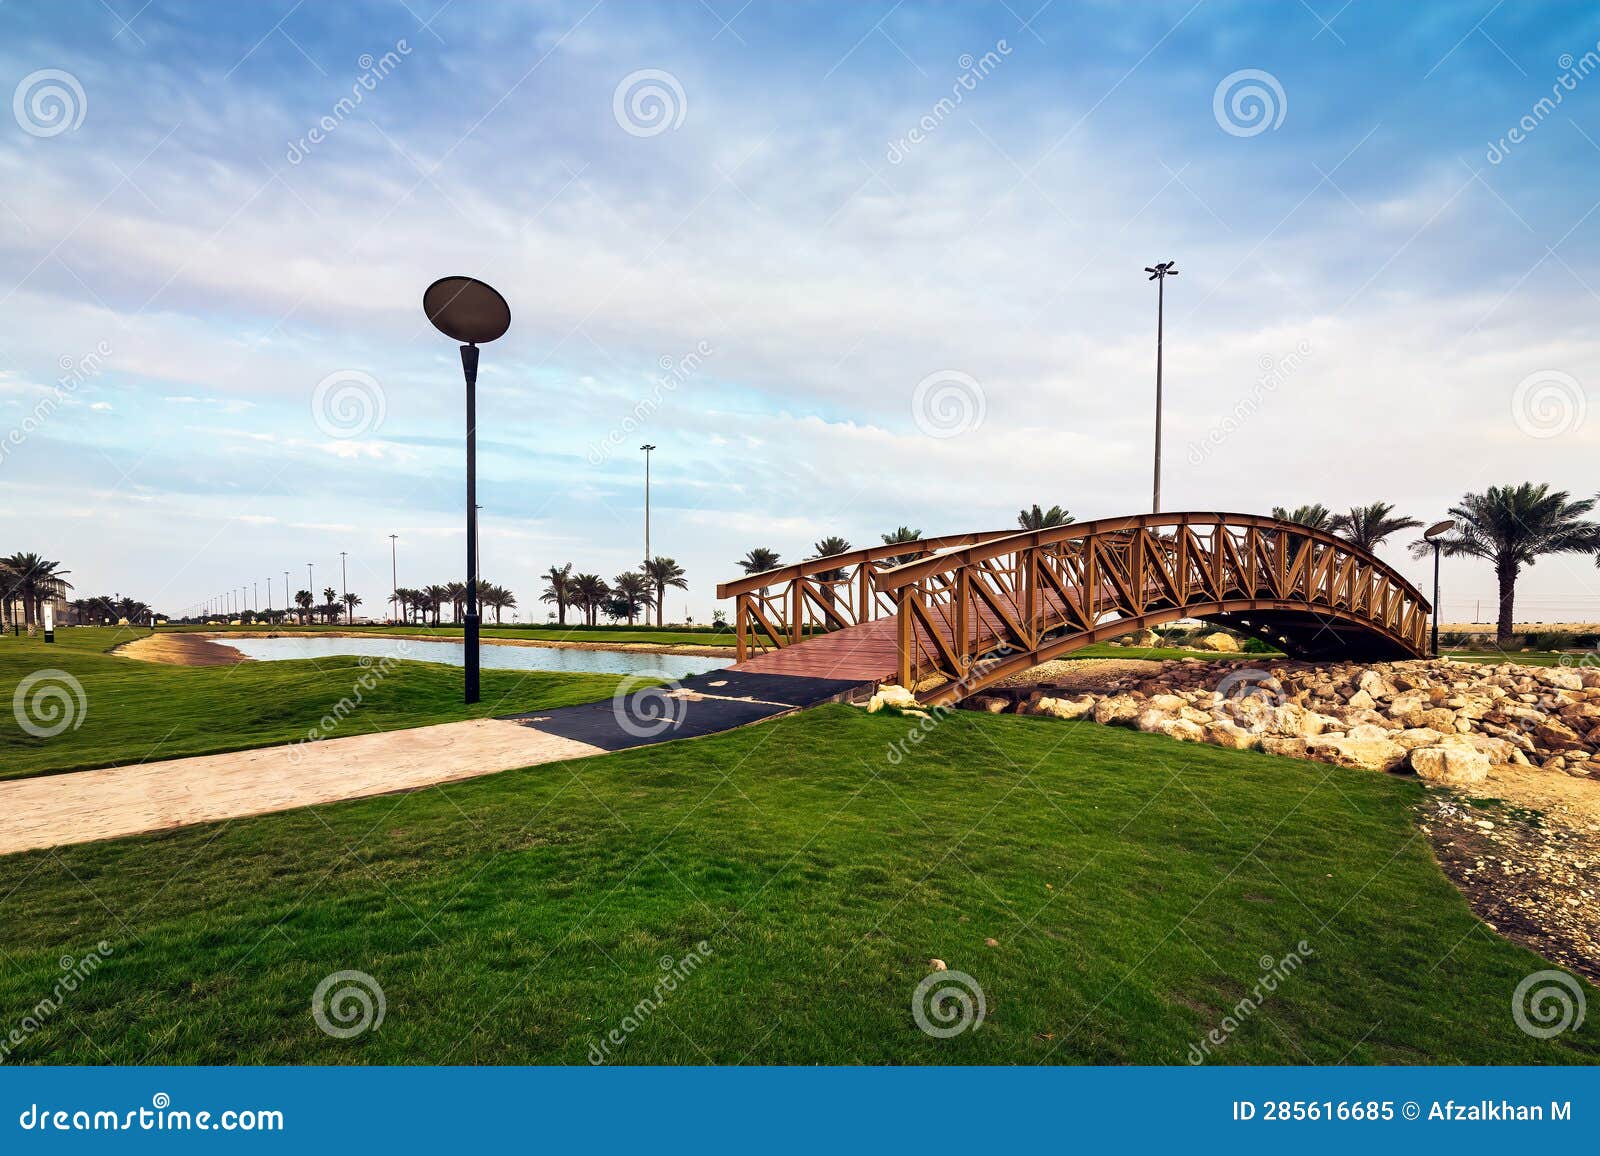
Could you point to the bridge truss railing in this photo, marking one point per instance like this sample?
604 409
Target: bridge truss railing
792 603
970 615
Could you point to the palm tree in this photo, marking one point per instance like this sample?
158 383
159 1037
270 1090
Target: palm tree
304 599
760 560
664 573
827 548
630 592
436 596
558 589
1315 516
351 601
1513 527
497 598
1368 526
1037 519
456 593
589 592
330 605
898 535
33 579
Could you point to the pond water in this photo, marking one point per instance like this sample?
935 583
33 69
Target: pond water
493 656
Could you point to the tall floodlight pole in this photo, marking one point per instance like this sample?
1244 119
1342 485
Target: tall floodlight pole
1159 274
269 593
647 450
394 577
468 311
1435 534
344 585
255 589
286 596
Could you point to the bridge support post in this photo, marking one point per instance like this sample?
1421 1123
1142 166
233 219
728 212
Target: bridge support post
741 615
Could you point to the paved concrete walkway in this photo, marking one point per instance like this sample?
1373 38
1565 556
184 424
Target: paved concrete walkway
83 806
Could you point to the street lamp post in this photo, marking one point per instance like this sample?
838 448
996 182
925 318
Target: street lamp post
468 311
394 577
647 450
1159 274
1435 534
344 586
286 598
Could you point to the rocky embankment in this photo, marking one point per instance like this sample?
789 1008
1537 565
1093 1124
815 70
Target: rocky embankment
1447 721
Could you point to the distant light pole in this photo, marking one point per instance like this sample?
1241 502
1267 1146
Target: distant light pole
255 589
468 311
647 449
344 586
311 584
286 595
394 577
1435 534
269 595
1159 274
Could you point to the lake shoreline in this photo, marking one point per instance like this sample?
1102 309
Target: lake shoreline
206 649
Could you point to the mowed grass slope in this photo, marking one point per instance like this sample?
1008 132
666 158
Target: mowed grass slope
1134 887
142 711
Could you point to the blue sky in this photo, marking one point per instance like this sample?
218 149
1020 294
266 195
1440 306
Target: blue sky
1381 294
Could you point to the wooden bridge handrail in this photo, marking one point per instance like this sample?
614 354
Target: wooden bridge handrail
1016 541
811 566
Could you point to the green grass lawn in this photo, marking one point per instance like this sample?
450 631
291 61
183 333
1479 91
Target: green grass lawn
143 711
1134 887
634 634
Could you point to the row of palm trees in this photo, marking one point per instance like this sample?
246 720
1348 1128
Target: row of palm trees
27 582
104 609
761 559
1511 527
627 596
417 603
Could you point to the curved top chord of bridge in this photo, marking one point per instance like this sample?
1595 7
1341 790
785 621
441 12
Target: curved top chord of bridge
949 616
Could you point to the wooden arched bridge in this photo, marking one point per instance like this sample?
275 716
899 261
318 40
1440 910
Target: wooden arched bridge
949 616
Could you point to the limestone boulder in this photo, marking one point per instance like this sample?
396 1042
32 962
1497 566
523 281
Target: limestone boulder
1454 765
1064 707
1366 754
1118 710
1219 642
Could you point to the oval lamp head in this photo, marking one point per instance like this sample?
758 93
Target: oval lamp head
466 310
1439 528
